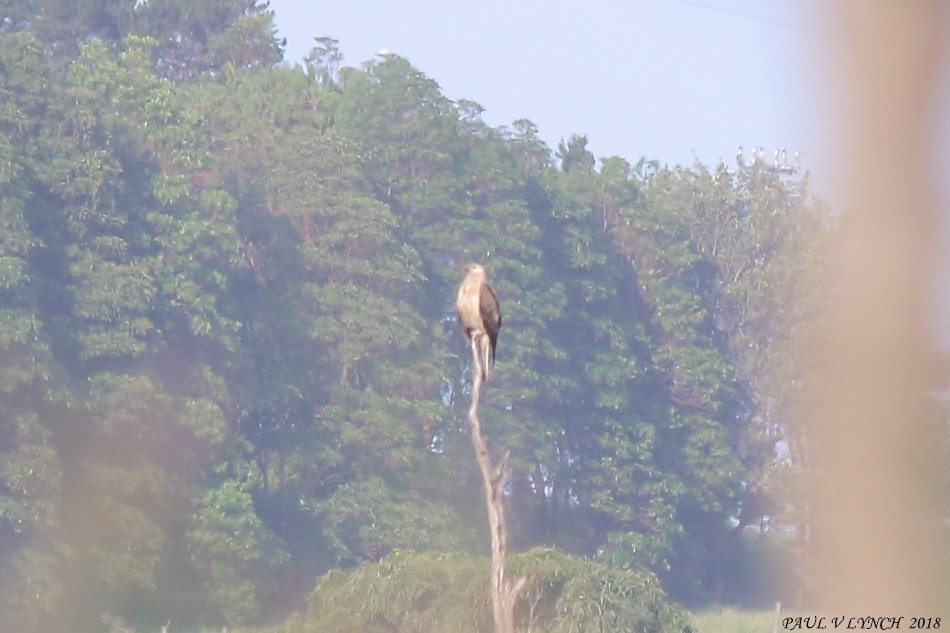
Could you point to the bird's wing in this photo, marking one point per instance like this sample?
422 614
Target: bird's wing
491 315
488 307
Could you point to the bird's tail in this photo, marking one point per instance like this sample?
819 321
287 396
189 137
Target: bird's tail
485 359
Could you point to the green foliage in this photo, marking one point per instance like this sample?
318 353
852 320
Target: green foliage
228 355
231 547
409 591
191 39
729 620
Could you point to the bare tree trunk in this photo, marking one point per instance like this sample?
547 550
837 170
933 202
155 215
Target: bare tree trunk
504 592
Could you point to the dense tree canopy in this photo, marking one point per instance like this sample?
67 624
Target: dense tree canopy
228 359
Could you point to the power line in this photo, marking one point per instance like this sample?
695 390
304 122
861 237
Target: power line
748 16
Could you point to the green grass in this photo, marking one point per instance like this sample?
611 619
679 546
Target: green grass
729 620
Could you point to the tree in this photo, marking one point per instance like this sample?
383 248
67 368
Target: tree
226 323
213 37
574 155
503 591
31 477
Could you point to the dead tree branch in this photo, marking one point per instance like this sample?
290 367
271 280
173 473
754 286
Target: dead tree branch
504 592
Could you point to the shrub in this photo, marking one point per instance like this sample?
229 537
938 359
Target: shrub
431 592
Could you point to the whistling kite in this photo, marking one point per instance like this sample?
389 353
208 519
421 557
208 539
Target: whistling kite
479 316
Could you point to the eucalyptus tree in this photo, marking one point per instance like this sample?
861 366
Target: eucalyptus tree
226 322
193 39
31 474
134 253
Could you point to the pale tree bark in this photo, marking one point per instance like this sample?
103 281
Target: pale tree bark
504 592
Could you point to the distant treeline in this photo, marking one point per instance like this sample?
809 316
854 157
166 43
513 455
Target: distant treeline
228 355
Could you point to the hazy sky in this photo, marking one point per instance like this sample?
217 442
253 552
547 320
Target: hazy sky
670 80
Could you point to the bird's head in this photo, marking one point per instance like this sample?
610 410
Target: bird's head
474 269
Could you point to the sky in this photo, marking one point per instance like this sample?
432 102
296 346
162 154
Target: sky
669 80
676 81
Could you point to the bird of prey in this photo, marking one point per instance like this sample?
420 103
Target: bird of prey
479 316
